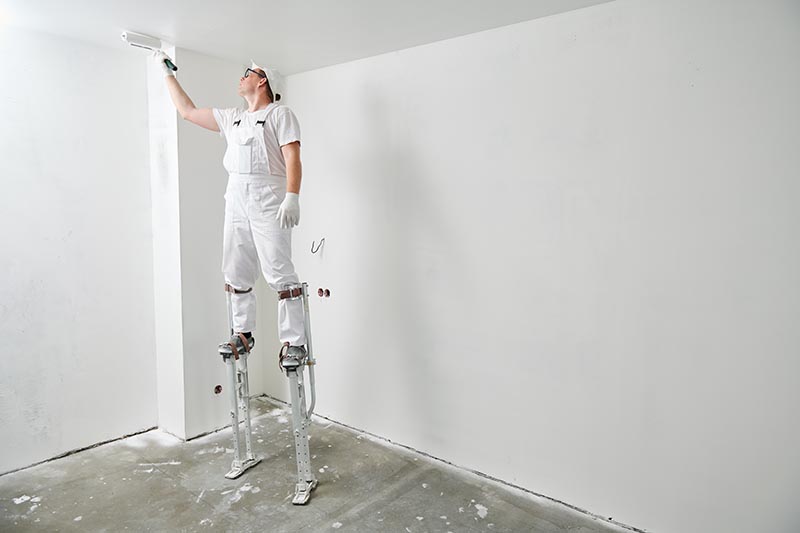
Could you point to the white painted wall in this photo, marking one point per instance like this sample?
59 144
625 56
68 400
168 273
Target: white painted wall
76 309
166 229
565 253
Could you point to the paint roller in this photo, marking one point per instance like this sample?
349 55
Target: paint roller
148 43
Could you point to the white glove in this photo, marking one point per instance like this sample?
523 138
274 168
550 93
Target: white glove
289 211
159 57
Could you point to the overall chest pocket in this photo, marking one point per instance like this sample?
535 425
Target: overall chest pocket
245 145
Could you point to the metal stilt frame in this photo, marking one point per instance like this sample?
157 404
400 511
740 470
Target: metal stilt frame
236 364
301 418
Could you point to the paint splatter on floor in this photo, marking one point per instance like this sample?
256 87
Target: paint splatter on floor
336 525
482 510
216 449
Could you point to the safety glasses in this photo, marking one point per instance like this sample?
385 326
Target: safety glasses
248 71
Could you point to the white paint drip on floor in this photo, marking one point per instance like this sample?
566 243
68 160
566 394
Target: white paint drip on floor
201 495
22 499
247 487
336 525
216 449
162 437
77 519
482 510
156 436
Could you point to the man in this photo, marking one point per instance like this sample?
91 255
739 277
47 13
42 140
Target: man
261 201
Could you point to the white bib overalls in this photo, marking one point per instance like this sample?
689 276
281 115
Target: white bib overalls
252 235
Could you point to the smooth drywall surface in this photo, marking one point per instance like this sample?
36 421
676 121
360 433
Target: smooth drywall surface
167 284
566 253
78 362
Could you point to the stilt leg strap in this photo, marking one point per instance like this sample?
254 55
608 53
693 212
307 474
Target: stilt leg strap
282 355
235 351
245 345
234 290
245 342
289 293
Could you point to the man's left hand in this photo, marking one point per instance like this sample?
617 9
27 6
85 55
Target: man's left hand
289 211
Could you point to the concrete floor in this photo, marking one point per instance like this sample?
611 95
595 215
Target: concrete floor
155 482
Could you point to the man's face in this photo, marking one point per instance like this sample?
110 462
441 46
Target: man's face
250 81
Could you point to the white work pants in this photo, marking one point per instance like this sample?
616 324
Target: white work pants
253 236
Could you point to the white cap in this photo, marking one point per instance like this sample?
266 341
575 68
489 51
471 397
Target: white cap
274 78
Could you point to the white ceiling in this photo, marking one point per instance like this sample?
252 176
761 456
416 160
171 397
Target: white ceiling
291 35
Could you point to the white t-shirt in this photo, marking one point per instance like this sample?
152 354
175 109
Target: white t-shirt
280 128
